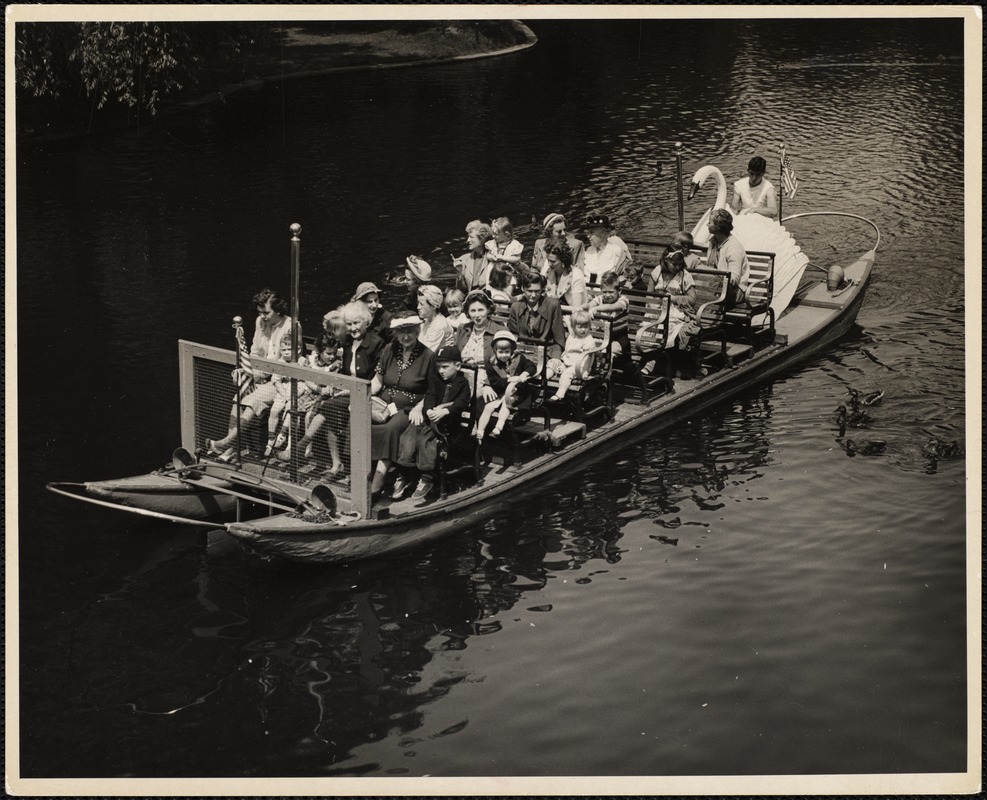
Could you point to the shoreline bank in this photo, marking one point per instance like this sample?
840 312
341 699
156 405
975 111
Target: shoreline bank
308 54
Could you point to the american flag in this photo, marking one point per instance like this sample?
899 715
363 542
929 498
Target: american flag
788 179
246 373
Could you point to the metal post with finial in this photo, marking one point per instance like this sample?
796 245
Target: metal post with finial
296 345
678 184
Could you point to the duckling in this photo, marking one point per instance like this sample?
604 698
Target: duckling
938 450
869 399
864 448
850 418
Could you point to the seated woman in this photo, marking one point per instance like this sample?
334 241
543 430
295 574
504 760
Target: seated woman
474 339
436 331
563 281
380 317
472 268
405 373
554 230
755 194
272 326
727 254
606 253
417 273
508 372
361 350
499 285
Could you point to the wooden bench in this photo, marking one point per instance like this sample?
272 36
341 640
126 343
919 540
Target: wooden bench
591 393
740 320
647 330
711 291
745 323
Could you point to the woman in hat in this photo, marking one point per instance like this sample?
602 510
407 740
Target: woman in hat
726 253
405 372
755 194
508 372
474 338
606 252
554 229
417 272
380 318
473 268
436 331
563 281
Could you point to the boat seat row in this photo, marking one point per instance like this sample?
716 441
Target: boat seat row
752 323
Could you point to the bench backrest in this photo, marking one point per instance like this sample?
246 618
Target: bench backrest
711 292
648 252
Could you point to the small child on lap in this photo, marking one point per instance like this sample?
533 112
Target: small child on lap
508 372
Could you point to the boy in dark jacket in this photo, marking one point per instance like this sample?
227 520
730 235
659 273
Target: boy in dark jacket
419 443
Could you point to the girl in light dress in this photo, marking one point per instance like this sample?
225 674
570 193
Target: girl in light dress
671 278
577 345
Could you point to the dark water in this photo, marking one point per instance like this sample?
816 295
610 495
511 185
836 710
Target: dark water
735 596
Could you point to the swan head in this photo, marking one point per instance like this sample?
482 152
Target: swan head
702 174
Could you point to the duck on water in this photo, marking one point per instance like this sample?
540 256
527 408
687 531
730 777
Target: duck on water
294 510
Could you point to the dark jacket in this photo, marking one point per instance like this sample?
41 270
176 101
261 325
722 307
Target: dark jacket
497 374
456 391
544 324
367 355
380 324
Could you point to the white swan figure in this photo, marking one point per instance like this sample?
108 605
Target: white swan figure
756 232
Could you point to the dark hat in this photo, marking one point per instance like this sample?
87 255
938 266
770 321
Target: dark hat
482 296
597 220
449 353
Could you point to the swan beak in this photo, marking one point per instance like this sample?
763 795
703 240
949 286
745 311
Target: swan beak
693 189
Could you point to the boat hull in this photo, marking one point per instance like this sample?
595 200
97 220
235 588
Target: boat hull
810 328
165 495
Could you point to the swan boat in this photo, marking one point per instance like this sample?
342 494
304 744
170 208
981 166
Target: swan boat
290 508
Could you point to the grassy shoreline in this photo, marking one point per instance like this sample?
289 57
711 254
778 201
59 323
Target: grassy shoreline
278 52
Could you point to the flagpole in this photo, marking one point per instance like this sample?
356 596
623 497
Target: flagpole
678 184
781 181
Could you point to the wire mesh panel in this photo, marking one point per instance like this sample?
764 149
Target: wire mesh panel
296 424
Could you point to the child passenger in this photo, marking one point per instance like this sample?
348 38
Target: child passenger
454 308
507 373
683 241
577 345
504 248
611 302
419 444
278 421
672 278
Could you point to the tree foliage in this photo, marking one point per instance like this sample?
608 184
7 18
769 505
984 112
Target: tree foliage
133 63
